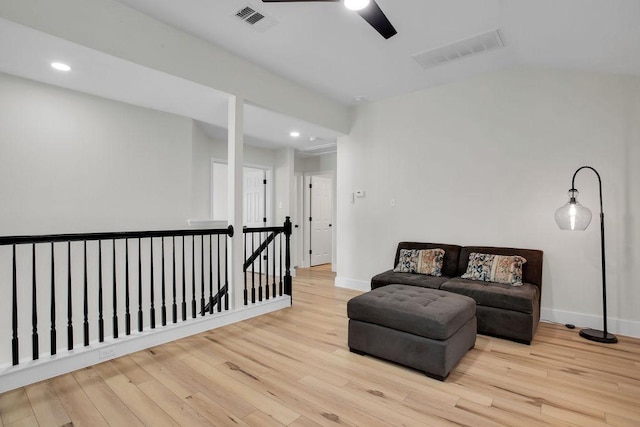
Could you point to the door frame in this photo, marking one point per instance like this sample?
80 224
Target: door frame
306 225
298 222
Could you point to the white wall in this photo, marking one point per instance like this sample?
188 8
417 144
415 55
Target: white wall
203 150
487 161
71 162
283 179
315 164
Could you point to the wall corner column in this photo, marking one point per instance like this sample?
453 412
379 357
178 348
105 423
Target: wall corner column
235 144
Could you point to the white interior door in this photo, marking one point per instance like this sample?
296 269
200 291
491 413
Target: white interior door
254 197
321 219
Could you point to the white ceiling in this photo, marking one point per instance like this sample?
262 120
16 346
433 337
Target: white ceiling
324 46
334 51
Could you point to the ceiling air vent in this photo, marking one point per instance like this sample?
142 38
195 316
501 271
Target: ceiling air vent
461 49
255 19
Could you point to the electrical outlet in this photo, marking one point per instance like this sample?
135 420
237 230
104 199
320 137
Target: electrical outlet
107 353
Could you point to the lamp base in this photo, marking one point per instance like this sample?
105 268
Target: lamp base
599 336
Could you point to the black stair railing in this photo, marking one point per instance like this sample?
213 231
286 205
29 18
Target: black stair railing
269 247
27 261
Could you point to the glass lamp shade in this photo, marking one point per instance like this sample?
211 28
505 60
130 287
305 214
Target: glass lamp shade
573 216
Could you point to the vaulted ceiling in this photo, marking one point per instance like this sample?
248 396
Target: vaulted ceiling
333 50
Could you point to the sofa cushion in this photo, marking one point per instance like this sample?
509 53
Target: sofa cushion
420 261
531 271
421 280
520 298
505 269
429 313
450 259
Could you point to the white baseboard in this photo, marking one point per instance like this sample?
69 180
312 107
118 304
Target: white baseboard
358 285
615 326
29 371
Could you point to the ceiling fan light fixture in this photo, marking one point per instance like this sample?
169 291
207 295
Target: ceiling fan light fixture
356 4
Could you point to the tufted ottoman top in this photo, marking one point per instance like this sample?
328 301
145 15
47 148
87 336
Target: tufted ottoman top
429 313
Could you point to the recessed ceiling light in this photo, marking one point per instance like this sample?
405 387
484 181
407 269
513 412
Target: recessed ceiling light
356 4
60 66
295 134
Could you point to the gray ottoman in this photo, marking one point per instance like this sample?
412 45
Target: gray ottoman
425 329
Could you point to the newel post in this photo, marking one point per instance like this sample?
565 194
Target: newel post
287 256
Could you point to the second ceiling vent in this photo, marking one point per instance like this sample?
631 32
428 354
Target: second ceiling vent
461 49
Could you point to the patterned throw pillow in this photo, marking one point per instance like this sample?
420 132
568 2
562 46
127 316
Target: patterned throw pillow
421 261
495 268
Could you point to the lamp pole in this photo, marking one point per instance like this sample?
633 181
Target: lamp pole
593 334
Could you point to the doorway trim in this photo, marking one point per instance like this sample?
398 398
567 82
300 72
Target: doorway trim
306 224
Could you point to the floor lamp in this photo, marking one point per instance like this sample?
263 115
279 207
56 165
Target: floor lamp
574 216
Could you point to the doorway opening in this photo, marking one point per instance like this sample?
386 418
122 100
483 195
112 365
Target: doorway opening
319 218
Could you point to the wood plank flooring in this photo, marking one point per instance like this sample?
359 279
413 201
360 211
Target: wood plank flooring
293 368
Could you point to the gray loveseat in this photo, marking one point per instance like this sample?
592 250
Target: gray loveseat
505 311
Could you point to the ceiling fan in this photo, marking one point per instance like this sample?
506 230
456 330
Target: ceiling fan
368 9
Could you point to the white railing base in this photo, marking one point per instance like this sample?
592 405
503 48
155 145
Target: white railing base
30 372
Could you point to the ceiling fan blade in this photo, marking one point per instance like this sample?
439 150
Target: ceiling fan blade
378 20
372 14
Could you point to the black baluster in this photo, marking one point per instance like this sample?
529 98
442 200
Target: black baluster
14 312
152 309
266 266
253 270
127 314
280 275
273 291
202 273
34 309
86 299
164 306
226 275
115 294
174 306
246 294
184 285
260 261
193 276
140 320
69 301
53 301
210 274
100 317
219 298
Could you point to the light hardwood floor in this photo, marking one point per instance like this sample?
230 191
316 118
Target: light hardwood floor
293 368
